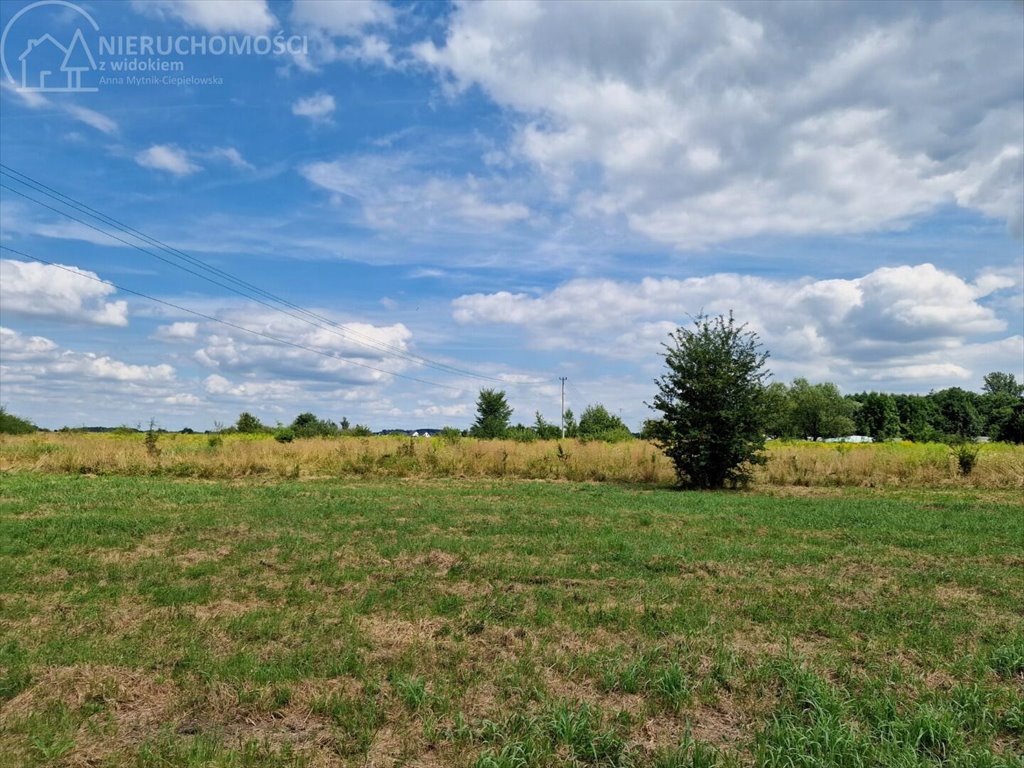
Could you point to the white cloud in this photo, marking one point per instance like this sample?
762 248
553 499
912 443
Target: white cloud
183 398
361 344
90 117
15 346
16 217
41 290
181 162
699 123
216 384
341 32
243 16
893 324
41 358
230 155
319 107
448 411
346 18
395 195
181 331
167 157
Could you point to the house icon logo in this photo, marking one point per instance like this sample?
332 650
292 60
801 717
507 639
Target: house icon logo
45 64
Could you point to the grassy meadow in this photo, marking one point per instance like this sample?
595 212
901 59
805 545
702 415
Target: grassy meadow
383 621
999 466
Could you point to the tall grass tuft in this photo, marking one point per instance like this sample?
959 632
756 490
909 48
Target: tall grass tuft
999 466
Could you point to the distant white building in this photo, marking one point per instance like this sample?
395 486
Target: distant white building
849 439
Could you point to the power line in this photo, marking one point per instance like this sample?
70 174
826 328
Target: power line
318 320
229 324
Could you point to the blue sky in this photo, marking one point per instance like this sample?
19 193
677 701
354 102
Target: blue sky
517 190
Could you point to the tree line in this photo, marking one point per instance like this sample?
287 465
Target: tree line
494 415
717 408
815 411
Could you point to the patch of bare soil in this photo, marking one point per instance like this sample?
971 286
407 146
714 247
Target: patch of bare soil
306 734
436 560
226 608
196 556
723 726
391 637
583 690
151 546
133 707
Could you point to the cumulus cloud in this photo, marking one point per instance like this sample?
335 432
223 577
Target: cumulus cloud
348 18
361 344
41 358
168 158
892 324
55 385
458 411
15 346
698 123
395 194
219 16
183 398
41 290
319 107
345 31
215 384
181 331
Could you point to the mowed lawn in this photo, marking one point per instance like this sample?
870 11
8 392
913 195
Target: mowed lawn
162 623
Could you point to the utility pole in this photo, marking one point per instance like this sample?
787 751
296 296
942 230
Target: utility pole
561 415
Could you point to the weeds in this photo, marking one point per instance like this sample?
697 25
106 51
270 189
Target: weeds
234 456
966 455
152 441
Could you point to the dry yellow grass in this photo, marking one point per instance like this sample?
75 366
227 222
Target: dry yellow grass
239 456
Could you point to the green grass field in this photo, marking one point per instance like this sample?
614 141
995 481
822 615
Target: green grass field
155 622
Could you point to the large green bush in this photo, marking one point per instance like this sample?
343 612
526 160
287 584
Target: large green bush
14 425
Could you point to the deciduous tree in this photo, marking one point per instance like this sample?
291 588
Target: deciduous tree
712 402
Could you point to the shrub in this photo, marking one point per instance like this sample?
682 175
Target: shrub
152 441
308 425
712 403
284 435
521 434
14 425
596 423
966 455
248 424
450 435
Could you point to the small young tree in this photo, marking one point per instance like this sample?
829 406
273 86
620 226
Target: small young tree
544 429
308 425
712 402
596 423
569 420
492 414
248 424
